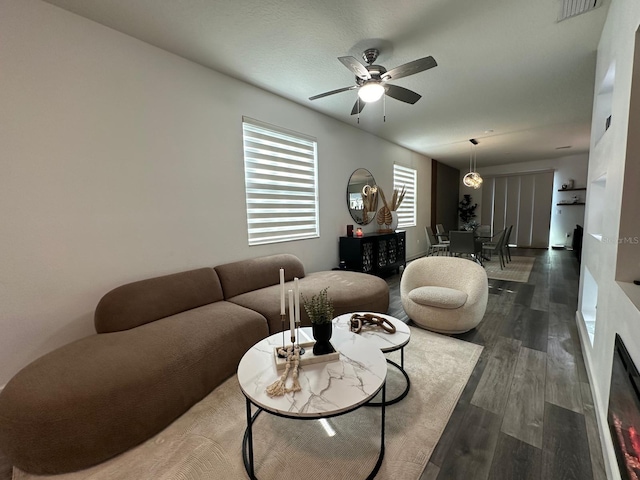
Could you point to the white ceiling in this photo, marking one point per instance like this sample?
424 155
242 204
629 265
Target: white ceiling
509 74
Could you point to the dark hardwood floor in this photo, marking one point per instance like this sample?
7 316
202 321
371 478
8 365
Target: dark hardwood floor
527 411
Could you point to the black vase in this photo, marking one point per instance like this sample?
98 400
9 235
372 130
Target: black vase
322 334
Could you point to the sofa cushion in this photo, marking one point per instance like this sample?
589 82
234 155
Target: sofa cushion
440 297
349 292
99 396
256 273
145 301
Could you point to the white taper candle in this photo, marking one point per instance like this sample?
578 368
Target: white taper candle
296 289
282 311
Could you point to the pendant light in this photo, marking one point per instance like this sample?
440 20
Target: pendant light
473 178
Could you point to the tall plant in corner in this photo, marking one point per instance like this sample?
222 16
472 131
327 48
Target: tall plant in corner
467 212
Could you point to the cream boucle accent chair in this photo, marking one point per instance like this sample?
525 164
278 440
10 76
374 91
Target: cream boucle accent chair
444 294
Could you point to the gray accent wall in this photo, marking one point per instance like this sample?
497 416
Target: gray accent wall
444 192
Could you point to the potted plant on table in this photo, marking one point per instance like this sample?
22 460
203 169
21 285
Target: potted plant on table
320 310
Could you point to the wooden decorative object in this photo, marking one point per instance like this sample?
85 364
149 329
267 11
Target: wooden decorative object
384 217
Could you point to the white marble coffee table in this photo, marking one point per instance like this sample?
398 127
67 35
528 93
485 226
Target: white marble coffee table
329 389
386 342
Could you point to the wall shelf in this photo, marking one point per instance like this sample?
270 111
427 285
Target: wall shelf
571 189
565 204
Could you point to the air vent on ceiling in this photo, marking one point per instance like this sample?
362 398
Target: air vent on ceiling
572 8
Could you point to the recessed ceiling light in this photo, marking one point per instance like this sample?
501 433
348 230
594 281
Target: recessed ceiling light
561 148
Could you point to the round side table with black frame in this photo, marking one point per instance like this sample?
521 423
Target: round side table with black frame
386 342
359 360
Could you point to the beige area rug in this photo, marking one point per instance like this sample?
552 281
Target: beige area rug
205 443
517 270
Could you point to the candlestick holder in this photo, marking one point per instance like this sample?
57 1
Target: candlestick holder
302 350
282 319
295 340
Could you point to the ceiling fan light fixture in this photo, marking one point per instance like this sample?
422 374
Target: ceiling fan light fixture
371 92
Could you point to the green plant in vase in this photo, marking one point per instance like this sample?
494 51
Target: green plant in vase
319 308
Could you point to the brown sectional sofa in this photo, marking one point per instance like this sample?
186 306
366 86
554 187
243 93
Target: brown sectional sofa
162 345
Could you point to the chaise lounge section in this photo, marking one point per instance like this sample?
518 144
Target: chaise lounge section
254 284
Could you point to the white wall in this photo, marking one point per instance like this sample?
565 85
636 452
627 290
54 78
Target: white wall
615 312
563 218
121 161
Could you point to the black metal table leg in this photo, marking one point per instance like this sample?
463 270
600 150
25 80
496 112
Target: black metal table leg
375 470
406 376
247 441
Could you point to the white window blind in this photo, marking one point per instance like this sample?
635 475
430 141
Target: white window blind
407 178
281 183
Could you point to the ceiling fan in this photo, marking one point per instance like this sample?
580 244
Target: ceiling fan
371 80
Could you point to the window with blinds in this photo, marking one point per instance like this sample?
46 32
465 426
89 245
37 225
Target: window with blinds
281 183
407 178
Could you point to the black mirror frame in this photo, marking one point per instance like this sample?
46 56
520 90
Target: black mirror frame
359 215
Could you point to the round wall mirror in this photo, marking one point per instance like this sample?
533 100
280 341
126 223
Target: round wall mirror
362 196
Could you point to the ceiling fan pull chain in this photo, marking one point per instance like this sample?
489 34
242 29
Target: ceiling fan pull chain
358 100
384 108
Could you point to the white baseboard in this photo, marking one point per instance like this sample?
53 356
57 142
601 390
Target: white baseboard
418 255
609 454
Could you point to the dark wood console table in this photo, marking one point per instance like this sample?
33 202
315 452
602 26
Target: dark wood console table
374 253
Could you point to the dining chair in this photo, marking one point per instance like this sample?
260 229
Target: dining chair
505 244
465 243
496 248
491 240
441 233
434 247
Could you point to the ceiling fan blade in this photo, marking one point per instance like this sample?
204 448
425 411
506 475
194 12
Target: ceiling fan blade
357 107
326 94
410 68
402 94
356 67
